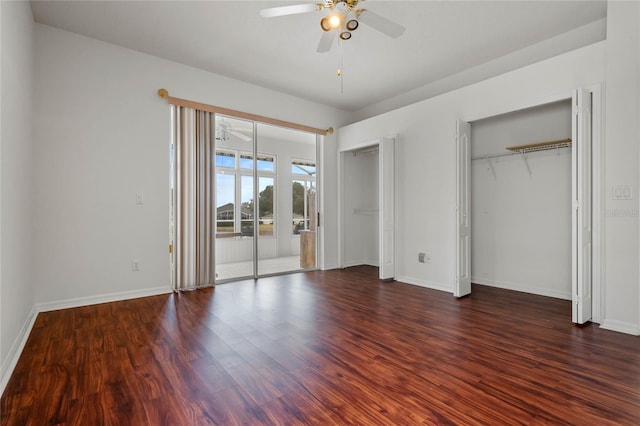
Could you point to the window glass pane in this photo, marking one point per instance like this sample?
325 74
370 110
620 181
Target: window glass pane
246 161
304 168
246 208
303 202
266 163
225 190
265 206
298 205
225 159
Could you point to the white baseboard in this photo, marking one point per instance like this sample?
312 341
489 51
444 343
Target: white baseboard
359 263
16 350
102 298
424 283
523 288
18 345
330 266
621 326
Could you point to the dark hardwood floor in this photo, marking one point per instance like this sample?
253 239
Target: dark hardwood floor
336 347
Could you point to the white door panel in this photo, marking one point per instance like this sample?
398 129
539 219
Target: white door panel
386 199
581 188
463 218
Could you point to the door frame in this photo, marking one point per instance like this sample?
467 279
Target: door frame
597 176
386 222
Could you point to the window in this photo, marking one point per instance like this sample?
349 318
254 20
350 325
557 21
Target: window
303 194
234 192
265 205
225 213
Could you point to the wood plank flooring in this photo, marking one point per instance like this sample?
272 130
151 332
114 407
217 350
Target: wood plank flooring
335 347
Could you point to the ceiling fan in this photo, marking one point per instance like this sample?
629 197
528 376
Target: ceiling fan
344 17
224 129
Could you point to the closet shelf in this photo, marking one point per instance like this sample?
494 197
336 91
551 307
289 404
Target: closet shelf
523 150
527 148
541 146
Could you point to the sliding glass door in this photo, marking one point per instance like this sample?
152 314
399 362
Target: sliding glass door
289 245
265 182
234 179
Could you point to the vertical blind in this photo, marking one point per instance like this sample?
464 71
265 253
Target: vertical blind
194 244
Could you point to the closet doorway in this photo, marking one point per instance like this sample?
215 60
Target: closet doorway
367 221
524 202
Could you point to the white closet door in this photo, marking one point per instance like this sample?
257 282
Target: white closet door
386 200
463 218
581 191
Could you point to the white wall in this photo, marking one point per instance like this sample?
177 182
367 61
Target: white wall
360 207
101 136
521 223
622 153
425 152
16 231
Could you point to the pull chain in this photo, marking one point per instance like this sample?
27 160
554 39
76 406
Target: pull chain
340 66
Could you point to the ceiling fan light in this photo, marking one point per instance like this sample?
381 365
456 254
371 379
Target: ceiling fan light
345 35
335 20
324 24
352 24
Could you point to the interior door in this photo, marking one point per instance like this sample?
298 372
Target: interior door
463 219
581 218
386 208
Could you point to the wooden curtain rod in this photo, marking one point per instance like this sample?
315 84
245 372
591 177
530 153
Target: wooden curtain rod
239 114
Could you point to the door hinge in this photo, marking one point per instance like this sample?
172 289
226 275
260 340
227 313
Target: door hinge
318 220
170 248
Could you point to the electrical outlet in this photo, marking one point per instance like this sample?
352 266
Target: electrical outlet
135 265
621 192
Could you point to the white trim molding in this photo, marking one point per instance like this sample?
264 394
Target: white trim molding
621 326
524 288
102 298
329 266
425 283
15 351
353 263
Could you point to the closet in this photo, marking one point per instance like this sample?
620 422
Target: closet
360 207
521 208
366 223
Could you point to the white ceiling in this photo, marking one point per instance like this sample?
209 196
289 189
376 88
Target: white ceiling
442 38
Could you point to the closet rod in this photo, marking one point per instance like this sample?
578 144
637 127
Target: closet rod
488 157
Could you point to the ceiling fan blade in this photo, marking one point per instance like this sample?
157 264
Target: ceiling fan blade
326 41
381 23
289 10
240 135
